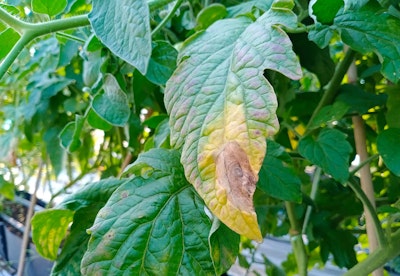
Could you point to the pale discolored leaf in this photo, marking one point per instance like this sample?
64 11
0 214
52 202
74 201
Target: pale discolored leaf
220 102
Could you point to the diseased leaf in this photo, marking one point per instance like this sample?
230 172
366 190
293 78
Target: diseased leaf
277 179
49 7
152 226
330 151
388 143
48 230
75 245
219 102
112 105
124 27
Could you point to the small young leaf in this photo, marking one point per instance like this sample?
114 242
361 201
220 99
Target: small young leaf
70 135
49 7
330 151
388 143
48 230
112 105
209 15
124 27
162 63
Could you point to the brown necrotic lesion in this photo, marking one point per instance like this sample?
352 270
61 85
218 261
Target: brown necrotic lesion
236 176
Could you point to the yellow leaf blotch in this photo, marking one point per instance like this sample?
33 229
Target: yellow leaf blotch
229 162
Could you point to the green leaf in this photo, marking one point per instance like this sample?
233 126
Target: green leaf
95 121
389 148
367 30
124 27
313 58
359 100
54 149
224 246
8 38
162 63
48 230
153 226
330 151
218 96
329 114
354 4
325 11
70 135
7 189
248 7
112 105
162 135
209 15
276 178
7 144
392 105
75 245
49 7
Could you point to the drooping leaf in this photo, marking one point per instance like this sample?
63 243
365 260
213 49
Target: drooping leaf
70 135
277 179
8 38
95 121
124 27
388 143
152 226
75 245
221 105
54 150
49 7
359 100
325 11
367 30
330 151
162 63
7 189
224 246
48 230
112 105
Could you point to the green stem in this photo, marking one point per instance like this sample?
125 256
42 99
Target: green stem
334 85
31 31
70 37
314 189
296 239
362 164
12 21
382 242
167 18
378 258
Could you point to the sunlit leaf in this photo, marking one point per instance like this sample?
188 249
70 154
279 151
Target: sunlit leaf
8 38
49 7
7 189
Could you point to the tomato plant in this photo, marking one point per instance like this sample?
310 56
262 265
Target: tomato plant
210 125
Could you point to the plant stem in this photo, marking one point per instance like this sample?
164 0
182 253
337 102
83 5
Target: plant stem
382 242
31 31
378 258
296 239
25 238
331 92
313 193
363 163
167 18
